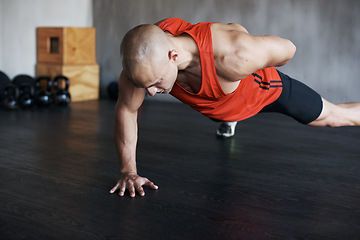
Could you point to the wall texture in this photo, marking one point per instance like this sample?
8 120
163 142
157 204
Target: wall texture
19 20
326 33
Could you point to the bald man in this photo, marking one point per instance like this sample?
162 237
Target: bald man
219 70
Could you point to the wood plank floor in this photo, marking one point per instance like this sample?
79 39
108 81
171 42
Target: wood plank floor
276 179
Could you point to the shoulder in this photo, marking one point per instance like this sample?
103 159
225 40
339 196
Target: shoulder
171 21
228 37
130 97
176 26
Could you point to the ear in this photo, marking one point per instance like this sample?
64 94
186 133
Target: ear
173 55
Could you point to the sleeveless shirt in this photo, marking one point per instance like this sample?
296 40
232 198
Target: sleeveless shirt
253 93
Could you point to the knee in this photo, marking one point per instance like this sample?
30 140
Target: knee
332 121
339 123
335 116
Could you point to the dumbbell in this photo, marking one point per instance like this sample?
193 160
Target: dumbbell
43 94
61 95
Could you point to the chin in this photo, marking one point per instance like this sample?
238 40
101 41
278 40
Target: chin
168 90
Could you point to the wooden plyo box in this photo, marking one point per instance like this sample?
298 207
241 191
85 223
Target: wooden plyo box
66 45
84 79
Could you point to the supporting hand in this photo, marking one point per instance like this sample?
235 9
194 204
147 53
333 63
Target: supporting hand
132 182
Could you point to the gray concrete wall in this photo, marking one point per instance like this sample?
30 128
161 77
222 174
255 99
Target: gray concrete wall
19 20
326 33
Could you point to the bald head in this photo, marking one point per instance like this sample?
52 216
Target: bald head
144 46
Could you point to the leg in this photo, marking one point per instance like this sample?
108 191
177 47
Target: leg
337 115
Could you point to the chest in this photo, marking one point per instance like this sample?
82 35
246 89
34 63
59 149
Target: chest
191 81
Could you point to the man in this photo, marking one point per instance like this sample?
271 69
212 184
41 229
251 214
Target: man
219 70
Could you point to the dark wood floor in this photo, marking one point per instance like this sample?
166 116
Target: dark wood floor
276 179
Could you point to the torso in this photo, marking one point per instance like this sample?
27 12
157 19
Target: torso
225 58
191 82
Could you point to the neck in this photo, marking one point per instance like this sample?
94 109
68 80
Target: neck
187 50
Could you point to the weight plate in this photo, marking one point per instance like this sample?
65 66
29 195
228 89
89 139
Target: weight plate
4 81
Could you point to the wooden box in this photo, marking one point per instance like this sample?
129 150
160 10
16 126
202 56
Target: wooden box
84 79
66 45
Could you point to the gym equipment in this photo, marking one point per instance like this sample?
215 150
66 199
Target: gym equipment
113 90
4 81
84 77
26 95
70 51
11 94
26 86
61 95
66 45
43 94
23 79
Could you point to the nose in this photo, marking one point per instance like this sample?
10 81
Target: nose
151 90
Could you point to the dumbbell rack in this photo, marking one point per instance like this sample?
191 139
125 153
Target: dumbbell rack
70 52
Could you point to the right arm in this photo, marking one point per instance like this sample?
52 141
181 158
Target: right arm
125 134
239 54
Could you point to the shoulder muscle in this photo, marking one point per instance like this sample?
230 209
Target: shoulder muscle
130 97
248 53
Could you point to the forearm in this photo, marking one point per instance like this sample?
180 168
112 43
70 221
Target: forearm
126 156
125 136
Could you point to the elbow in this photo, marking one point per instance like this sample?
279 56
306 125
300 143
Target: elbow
290 52
292 49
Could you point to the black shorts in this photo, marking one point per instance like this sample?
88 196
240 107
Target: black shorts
297 101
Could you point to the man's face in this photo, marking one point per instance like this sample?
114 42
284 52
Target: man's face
158 78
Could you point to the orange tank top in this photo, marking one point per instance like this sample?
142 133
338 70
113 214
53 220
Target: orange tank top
253 93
